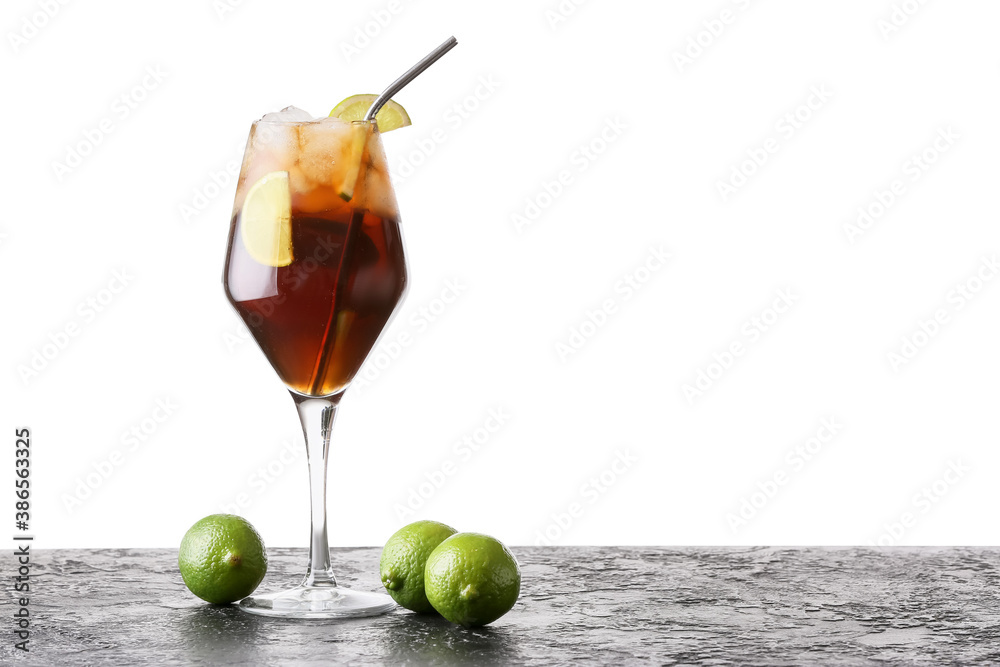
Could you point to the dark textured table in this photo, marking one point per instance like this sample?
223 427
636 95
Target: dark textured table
691 606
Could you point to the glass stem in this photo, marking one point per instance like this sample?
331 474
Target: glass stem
317 416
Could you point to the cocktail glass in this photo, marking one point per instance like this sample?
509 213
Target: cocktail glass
315 268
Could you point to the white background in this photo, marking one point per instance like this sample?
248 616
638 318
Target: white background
143 201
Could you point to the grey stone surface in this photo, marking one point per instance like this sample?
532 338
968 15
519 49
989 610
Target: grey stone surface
690 606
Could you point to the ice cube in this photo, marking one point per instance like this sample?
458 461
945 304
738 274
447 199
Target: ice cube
279 140
323 151
330 120
287 115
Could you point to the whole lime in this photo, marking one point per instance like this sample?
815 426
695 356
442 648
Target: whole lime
222 558
472 579
401 566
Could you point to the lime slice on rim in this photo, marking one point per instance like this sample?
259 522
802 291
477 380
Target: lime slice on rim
266 220
390 117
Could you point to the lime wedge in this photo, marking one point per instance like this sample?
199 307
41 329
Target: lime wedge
390 117
266 220
359 134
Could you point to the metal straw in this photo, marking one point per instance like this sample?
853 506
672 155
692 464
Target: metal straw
409 76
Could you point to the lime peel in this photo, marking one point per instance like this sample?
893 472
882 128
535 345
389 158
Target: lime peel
401 565
222 558
472 579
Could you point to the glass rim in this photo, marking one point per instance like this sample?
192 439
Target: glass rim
314 121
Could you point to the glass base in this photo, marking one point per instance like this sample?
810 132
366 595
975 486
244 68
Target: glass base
318 602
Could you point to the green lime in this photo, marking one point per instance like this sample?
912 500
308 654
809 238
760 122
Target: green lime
472 579
390 117
222 558
401 567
